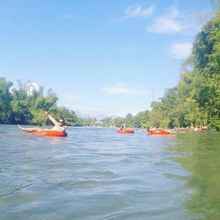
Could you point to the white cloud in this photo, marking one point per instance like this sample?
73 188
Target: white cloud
197 20
117 89
181 51
122 89
174 21
168 23
139 11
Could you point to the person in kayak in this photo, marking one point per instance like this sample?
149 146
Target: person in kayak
57 125
121 129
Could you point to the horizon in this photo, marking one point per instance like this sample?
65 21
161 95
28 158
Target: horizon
102 59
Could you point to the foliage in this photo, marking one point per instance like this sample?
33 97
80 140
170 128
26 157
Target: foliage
23 105
196 99
140 120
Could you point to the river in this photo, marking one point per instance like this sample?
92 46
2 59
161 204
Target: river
97 174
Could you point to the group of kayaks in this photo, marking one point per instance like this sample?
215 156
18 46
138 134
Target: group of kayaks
152 132
54 133
163 132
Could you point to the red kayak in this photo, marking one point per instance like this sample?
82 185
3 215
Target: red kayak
44 132
159 132
126 131
50 133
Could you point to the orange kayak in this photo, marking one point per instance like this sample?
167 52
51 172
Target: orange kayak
44 132
159 132
126 131
50 133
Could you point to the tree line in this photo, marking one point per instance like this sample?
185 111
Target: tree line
26 103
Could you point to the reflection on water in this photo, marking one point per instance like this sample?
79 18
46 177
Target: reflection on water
97 174
200 155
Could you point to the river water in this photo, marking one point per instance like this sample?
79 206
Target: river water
97 174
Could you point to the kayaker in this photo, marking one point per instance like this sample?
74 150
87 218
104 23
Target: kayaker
122 128
58 125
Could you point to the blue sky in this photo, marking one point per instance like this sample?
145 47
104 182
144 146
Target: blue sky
100 57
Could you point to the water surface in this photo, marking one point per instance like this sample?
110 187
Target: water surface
98 174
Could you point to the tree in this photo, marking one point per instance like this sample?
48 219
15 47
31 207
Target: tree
27 103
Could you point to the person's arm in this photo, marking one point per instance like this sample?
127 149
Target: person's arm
53 120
